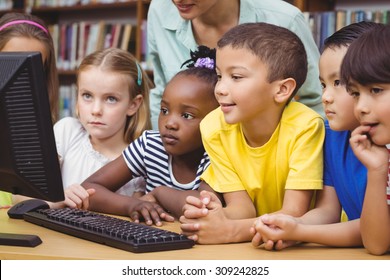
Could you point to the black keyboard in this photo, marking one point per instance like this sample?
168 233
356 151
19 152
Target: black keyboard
114 232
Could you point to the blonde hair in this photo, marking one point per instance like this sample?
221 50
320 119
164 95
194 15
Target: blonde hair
123 62
20 28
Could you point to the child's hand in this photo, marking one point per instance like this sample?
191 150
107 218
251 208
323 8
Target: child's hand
273 230
152 213
205 224
149 197
77 197
198 207
374 157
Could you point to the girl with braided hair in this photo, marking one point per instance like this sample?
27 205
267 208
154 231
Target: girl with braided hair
171 159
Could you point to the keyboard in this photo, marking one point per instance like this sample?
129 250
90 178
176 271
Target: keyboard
111 231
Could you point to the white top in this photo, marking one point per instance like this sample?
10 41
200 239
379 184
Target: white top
78 159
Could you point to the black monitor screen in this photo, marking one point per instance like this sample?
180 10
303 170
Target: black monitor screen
28 155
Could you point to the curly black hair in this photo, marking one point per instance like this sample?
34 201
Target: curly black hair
201 52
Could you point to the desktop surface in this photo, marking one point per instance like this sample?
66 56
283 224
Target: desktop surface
60 246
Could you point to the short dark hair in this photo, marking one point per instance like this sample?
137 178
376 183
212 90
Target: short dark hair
277 47
367 60
206 75
346 35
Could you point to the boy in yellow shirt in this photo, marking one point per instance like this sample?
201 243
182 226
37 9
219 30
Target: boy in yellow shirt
265 150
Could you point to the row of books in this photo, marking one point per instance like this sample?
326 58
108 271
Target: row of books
324 24
63 3
11 4
67 100
73 41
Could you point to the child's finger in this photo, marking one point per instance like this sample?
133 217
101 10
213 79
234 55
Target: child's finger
195 213
134 216
151 216
188 228
256 240
195 201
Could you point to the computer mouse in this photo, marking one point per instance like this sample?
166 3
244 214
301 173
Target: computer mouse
17 211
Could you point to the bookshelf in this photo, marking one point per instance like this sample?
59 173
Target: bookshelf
325 17
115 12
313 5
103 18
79 27
321 16
115 23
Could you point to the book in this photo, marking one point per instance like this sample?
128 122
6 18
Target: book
115 32
126 37
101 36
74 46
92 38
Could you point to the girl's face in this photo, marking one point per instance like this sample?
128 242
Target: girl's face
338 104
103 103
372 109
190 9
185 102
24 44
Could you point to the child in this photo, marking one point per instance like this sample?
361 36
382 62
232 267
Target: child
173 156
366 72
112 107
344 176
24 32
265 151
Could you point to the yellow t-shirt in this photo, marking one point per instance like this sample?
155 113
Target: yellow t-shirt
291 159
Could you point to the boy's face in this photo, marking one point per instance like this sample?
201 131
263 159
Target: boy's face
242 90
338 104
185 102
372 108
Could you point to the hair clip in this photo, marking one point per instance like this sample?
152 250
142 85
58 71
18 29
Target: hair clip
203 57
205 62
139 80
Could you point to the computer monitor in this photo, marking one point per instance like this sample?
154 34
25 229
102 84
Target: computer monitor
28 156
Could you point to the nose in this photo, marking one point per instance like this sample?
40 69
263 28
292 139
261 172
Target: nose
327 97
220 89
171 122
97 108
362 105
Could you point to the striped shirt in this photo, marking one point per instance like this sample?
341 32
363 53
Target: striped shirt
147 157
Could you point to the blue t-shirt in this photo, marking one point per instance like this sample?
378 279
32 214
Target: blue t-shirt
344 172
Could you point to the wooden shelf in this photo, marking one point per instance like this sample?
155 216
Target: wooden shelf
314 5
55 10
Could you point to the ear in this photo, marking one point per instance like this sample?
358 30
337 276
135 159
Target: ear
286 88
134 105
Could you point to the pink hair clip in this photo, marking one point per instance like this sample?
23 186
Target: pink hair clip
24 21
